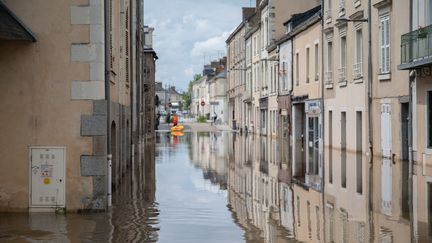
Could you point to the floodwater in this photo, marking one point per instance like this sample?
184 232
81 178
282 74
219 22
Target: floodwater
224 187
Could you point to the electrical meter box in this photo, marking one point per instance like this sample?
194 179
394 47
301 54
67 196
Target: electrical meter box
47 172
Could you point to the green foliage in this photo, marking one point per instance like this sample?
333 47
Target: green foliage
187 96
201 119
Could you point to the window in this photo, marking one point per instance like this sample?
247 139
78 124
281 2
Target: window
359 46
343 57
384 41
329 56
316 62
359 154
297 69
358 63
343 149
429 119
307 65
330 144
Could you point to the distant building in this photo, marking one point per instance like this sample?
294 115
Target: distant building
202 104
169 98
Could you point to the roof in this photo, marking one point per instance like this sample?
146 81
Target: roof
301 22
299 18
12 28
222 74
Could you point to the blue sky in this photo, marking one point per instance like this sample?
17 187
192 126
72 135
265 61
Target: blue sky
189 33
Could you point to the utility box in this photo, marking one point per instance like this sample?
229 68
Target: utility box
47 172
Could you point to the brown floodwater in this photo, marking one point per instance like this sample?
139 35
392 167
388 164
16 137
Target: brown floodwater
224 187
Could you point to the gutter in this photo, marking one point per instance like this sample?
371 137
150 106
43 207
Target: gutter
108 100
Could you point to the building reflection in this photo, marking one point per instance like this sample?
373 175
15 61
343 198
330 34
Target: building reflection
357 203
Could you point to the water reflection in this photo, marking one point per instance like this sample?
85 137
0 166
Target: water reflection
223 187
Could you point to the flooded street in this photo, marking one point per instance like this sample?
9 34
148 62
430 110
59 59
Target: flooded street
223 187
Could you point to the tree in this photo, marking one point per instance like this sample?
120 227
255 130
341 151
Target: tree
187 96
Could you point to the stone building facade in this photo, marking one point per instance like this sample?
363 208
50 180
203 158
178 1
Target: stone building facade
72 82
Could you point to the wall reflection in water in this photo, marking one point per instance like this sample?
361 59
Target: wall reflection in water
357 203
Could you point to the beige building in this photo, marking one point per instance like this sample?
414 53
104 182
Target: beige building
236 72
416 58
56 76
306 99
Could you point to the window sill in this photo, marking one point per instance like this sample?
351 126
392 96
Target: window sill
343 83
358 80
357 4
384 76
329 86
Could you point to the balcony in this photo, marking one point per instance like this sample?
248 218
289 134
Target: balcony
328 79
358 70
416 48
342 74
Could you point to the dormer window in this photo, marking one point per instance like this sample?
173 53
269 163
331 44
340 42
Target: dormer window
288 28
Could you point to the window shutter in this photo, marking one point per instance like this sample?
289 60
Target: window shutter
387 33
384 29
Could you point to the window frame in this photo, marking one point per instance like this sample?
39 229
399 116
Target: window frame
384 43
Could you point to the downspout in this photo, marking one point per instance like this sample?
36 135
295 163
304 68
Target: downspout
410 156
108 100
371 222
322 115
410 141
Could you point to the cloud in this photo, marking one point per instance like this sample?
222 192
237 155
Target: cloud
211 45
189 71
187 30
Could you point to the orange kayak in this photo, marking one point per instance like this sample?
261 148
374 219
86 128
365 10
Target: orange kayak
177 128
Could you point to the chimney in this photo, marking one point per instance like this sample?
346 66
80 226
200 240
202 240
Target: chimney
148 37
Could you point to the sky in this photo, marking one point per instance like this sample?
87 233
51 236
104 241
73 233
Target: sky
190 33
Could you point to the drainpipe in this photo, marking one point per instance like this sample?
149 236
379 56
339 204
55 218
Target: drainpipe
412 78
323 204
371 222
108 100
410 155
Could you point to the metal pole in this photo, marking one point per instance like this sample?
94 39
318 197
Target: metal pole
107 20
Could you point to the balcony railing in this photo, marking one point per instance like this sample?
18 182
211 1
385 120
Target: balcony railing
328 78
358 70
342 74
416 48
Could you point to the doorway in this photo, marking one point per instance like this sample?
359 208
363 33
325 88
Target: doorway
313 145
299 131
114 163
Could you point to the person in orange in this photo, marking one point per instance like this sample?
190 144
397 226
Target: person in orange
175 120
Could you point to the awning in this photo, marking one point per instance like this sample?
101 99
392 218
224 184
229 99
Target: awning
11 28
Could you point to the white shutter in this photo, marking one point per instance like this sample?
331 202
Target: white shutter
386 135
386 187
384 35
